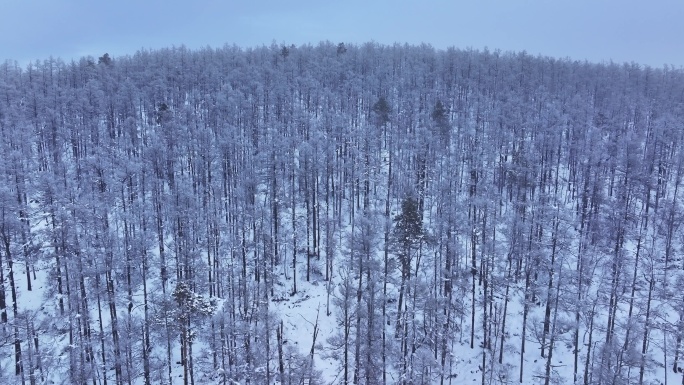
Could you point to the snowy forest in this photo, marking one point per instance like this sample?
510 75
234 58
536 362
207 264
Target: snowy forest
340 214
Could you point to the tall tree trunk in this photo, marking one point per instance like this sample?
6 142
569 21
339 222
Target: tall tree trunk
357 341
509 277
552 338
114 324
587 374
523 337
281 361
647 326
3 298
18 365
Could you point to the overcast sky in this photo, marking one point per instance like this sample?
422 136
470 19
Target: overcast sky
646 32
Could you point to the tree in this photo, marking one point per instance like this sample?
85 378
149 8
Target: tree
407 234
341 49
104 59
440 118
190 307
381 111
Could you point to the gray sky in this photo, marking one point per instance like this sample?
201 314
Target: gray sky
646 32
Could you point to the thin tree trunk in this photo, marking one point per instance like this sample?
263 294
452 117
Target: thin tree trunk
18 366
547 312
103 354
114 325
524 322
3 298
587 378
645 340
281 361
505 311
357 342
294 234
552 339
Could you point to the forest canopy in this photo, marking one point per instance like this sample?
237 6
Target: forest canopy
433 216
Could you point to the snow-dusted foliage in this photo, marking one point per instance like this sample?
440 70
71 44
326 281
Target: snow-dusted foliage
340 214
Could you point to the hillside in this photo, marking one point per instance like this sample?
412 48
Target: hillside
337 214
